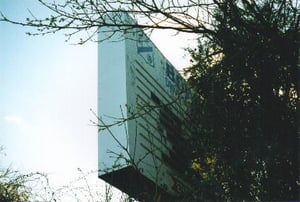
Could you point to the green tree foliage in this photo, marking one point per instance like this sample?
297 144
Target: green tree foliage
12 187
34 186
246 79
17 187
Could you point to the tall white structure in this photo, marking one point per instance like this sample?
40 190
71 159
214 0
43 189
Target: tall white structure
143 155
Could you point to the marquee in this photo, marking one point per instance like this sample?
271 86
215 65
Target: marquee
142 100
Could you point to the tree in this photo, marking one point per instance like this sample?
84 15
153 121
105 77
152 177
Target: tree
74 16
245 75
34 186
247 83
15 186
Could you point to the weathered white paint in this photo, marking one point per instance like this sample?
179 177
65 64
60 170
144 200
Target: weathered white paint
133 76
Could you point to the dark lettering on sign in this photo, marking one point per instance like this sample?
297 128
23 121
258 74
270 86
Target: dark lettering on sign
176 84
173 80
170 72
179 82
150 59
145 49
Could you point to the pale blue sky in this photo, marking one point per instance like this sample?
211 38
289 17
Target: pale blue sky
47 88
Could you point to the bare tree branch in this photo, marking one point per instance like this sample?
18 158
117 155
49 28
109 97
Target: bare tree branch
74 16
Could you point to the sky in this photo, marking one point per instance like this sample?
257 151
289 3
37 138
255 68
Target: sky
47 88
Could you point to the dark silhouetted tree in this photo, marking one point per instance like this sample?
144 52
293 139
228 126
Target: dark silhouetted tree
247 81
